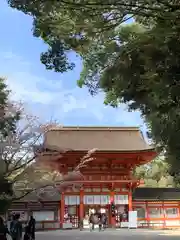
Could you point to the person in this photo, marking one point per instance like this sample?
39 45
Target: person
93 220
99 214
16 228
26 233
8 222
103 221
32 227
120 219
3 230
125 216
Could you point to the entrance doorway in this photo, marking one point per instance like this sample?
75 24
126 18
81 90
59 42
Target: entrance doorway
121 216
71 215
98 209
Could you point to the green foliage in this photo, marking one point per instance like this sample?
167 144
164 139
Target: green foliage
4 205
135 64
143 72
6 193
73 24
7 121
155 174
6 186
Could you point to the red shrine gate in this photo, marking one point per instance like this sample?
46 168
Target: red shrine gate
106 178
78 203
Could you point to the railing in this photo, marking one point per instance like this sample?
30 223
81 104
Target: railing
45 225
159 222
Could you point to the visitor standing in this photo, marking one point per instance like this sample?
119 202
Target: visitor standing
16 228
32 227
8 222
26 233
3 230
103 221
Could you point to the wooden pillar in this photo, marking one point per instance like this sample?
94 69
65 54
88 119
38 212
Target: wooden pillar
164 216
112 219
81 205
130 199
62 208
147 215
178 209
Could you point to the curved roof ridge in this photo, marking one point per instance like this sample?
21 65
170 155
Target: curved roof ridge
90 128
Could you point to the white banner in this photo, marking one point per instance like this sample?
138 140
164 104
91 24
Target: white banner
77 200
97 199
72 200
89 199
66 200
121 199
105 199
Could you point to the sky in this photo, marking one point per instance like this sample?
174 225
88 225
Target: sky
48 95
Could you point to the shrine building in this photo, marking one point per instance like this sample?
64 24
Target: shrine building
104 179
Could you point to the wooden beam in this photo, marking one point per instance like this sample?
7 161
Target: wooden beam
73 161
105 173
109 154
102 181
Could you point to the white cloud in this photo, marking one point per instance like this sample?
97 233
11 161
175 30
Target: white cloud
49 98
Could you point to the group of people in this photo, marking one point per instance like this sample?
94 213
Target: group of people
13 228
98 218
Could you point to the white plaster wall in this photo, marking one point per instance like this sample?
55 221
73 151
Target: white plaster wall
172 223
142 223
156 223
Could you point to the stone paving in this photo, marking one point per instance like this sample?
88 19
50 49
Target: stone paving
123 234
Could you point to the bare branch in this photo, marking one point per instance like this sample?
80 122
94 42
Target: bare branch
21 166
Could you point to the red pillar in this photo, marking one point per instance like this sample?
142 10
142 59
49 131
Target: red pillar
178 209
147 215
164 216
81 206
62 208
130 200
112 219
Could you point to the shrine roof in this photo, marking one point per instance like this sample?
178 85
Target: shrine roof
100 138
156 194
139 194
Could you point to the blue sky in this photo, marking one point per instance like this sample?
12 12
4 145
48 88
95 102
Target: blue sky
49 95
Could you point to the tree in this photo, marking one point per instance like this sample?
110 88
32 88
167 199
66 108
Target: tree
141 70
7 121
155 174
20 172
136 64
73 24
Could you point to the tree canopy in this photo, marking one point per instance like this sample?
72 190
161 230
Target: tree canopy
73 24
7 121
155 174
141 70
136 64
23 167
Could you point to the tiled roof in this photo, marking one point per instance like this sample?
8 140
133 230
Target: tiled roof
156 194
101 138
153 194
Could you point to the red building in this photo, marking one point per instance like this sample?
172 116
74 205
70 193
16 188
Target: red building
106 178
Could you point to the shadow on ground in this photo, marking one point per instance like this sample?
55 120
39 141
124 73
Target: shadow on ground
122 234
